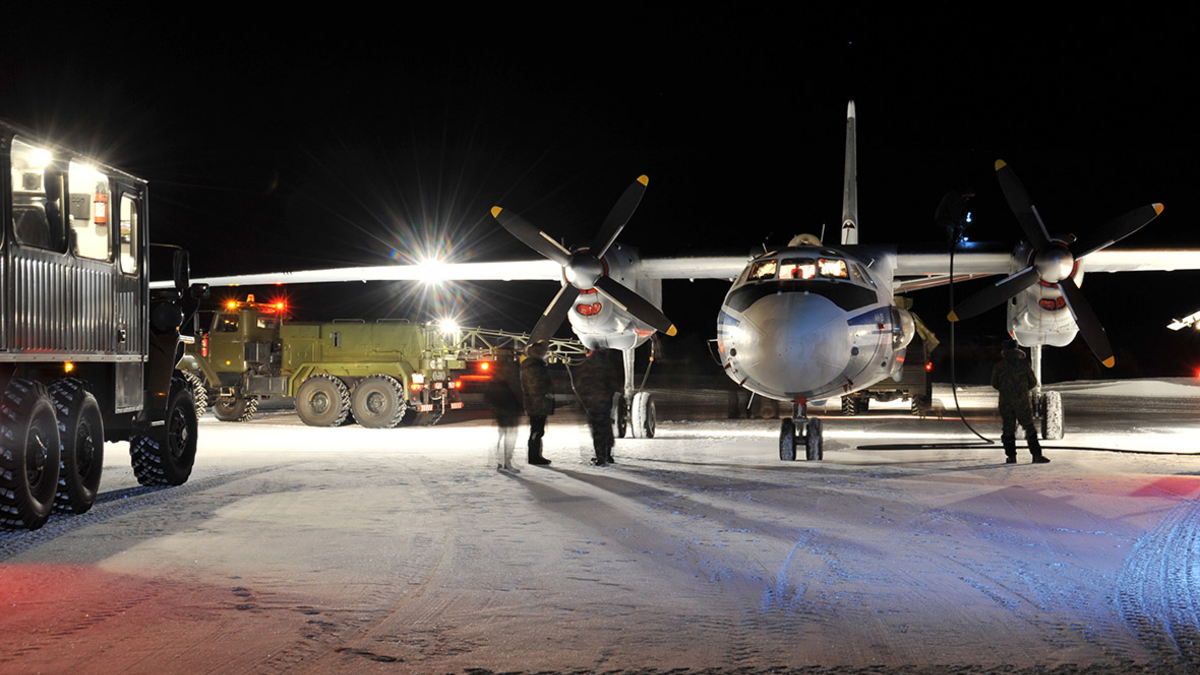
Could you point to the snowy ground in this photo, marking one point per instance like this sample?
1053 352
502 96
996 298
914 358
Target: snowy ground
302 550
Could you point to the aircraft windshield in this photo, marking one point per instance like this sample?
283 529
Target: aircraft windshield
797 268
802 268
763 269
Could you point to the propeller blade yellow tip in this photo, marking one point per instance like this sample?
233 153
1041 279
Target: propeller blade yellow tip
671 331
1108 363
1000 164
644 179
496 211
952 317
1158 208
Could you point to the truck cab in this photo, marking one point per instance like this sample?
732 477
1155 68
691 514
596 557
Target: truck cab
87 350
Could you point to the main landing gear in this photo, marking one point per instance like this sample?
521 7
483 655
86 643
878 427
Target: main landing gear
800 432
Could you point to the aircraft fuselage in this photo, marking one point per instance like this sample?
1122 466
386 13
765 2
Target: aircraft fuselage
813 322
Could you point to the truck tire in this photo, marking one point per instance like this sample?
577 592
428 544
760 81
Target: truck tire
235 409
29 455
199 391
323 401
164 455
81 430
378 402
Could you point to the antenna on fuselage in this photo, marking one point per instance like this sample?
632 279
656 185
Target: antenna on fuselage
850 188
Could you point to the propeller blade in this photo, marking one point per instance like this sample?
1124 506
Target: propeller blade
555 314
1089 325
621 212
1117 229
1022 206
531 236
635 304
994 295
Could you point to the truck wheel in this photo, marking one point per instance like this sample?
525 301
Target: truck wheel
323 401
29 455
645 416
849 406
378 402
199 391
235 409
164 455
81 430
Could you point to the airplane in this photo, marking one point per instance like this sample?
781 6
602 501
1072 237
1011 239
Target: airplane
808 321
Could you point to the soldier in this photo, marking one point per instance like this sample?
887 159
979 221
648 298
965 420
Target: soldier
1014 379
504 395
539 398
596 386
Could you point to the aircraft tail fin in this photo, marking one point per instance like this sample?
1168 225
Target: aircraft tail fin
850 189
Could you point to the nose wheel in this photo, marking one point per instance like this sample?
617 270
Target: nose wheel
800 433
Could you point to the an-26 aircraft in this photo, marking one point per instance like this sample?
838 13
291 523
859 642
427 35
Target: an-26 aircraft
805 322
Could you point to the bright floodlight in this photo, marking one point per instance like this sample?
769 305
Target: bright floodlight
448 326
432 271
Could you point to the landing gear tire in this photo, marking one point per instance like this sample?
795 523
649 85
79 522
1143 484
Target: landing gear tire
199 391
164 455
378 402
787 440
812 440
1050 407
237 408
645 416
29 455
82 434
323 401
620 416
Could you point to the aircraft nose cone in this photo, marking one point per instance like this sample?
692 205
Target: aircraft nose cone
803 344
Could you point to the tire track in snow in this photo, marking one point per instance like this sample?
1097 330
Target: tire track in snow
1158 594
113 504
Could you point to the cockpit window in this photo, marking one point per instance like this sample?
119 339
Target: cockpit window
833 267
797 268
763 269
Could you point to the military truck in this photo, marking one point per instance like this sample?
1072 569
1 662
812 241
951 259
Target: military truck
87 350
380 374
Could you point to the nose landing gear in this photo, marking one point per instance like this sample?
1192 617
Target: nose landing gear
801 431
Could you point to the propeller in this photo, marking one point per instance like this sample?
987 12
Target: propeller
584 268
1053 262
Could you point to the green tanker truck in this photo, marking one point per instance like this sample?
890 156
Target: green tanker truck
379 374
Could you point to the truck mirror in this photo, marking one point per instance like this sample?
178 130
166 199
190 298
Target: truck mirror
183 270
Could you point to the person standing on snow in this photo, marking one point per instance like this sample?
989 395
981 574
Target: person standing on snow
539 398
503 393
1014 379
596 386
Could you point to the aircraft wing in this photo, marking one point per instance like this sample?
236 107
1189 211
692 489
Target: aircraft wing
705 267
917 269
710 267
526 270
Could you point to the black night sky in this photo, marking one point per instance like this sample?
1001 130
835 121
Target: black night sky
291 142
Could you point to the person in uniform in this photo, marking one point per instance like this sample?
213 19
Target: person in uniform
503 393
539 398
1014 379
596 386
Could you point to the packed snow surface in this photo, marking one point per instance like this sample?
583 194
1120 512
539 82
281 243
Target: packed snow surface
312 550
